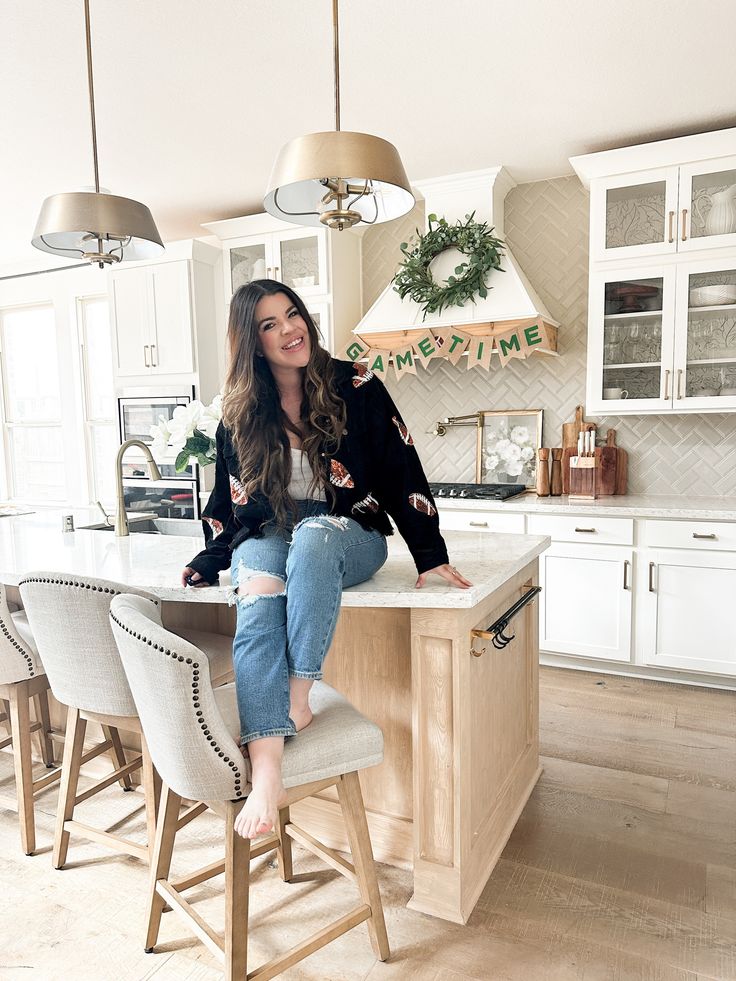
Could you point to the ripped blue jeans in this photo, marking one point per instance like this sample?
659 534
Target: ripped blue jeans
288 633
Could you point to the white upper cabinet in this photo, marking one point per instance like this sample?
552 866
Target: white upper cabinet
152 317
662 298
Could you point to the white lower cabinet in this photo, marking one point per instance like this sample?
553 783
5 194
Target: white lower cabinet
685 602
585 603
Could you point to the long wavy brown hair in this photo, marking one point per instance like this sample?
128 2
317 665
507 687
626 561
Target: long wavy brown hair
251 407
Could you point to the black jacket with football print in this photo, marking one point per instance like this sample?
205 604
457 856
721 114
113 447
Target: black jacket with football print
375 472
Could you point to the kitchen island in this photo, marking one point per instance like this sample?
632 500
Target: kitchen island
460 718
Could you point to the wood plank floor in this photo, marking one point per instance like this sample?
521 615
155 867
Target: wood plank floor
622 867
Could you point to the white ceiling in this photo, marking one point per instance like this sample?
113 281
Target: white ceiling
194 97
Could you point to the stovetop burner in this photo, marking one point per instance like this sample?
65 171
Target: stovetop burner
489 492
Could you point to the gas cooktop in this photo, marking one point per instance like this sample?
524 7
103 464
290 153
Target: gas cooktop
490 492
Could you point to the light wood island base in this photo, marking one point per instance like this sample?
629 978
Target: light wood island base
461 740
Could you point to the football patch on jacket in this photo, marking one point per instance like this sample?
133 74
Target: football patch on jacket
237 491
369 503
362 375
215 525
339 476
403 431
421 503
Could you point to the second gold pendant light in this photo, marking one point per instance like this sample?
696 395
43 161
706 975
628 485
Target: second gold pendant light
338 179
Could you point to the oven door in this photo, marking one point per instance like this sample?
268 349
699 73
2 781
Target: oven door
164 498
137 413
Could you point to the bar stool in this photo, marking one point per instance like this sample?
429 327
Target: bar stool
22 679
191 730
70 619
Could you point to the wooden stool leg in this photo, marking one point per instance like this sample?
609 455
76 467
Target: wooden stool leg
286 867
6 713
76 728
20 720
237 886
163 848
152 789
353 811
117 754
41 699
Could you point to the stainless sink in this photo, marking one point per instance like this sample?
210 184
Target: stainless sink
140 525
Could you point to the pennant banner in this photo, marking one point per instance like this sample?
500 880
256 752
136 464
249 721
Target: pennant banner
451 344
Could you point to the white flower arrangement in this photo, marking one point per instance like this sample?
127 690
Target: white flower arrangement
510 451
190 434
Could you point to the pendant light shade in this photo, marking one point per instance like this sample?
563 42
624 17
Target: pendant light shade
98 227
304 181
338 179
101 227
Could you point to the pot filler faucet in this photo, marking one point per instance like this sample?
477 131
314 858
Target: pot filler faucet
121 518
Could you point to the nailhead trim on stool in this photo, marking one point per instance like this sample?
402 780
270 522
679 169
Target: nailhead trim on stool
21 650
204 726
79 585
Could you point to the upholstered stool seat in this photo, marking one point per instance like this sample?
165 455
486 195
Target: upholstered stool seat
22 680
191 731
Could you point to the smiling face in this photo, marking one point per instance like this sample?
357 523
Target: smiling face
283 337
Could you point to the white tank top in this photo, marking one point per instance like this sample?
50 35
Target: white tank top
301 477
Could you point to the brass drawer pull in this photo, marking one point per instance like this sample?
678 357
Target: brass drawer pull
146 362
684 225
495 632
679 383
666 384
672 228
626 573
588 531
711 537
478 524
651 577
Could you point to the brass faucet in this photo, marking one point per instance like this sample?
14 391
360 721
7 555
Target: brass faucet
121 518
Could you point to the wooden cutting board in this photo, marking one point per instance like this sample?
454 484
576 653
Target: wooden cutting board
613 467
570 430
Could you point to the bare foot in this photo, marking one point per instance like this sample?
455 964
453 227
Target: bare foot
260 811
301 717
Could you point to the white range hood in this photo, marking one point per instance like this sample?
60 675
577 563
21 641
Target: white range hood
511 297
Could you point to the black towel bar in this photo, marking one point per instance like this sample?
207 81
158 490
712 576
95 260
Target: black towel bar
495 632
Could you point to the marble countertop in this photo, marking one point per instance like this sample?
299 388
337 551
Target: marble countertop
35 542
625 505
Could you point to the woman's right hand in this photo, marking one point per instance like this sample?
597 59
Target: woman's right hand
190 577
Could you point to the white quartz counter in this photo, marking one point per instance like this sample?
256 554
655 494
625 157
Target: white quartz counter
35 542
625 505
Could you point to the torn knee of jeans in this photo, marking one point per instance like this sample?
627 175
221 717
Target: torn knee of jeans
244 593
324 521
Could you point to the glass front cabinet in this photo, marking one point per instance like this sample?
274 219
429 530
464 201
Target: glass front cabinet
663 338
662 211
297 258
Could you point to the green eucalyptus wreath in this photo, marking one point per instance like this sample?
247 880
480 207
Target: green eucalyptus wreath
474 239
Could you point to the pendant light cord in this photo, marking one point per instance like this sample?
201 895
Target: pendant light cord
337 64
91 86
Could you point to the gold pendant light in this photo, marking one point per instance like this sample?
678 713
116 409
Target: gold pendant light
101 228
338 179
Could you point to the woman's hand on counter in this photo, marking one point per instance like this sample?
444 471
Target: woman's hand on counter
447 572
191 578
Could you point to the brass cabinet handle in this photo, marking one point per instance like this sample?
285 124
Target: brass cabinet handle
651 577
276 272
146 362
679 383
268 272
588 531
711 537
626 573
478 524
683 236
672 227
154 363
666 384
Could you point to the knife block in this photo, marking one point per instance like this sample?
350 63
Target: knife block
583 478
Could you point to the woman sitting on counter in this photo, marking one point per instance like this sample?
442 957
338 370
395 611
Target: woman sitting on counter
311 455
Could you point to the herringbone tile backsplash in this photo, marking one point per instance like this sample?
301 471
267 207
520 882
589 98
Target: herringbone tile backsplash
547 229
